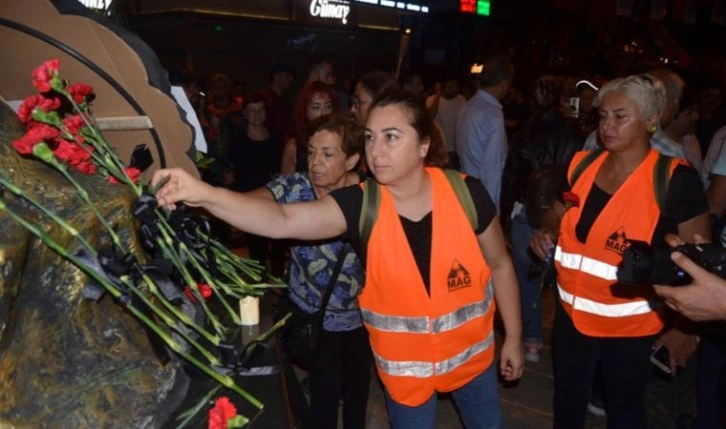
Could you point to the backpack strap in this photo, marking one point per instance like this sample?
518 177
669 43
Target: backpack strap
369 210
661 174
462 193
583 164
372 202
661 179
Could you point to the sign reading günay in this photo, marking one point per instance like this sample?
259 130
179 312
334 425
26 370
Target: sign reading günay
336 9
336 12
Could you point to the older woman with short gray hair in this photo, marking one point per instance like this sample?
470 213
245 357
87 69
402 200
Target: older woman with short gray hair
615 198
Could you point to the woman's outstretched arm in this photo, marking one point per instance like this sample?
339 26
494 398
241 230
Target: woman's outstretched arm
314 220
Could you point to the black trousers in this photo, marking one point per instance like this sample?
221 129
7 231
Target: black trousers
341 369
711 385
626 368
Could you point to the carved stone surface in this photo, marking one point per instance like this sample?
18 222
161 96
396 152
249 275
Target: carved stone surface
66 362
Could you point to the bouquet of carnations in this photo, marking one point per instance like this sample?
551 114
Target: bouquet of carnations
186 261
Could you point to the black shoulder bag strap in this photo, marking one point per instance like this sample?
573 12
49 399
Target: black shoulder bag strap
583 164
331 285
661 180
369 211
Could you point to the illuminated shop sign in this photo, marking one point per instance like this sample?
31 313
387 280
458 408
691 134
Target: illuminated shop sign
345 12
480 7
326 12
331 9
413 7
96 4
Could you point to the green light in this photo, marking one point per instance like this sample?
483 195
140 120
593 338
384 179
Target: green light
483 7
217 28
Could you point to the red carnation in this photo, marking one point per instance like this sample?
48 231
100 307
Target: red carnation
133 174
76 155
43 75
204 290
87 167
222 411
33 136
79 91
74 124
571 199
25 112
71 152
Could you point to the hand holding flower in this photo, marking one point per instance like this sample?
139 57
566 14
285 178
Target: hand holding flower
180 187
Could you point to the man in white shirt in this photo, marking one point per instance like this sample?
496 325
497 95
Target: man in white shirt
444 107
481 138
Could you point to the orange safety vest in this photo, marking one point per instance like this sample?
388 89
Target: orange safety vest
421 343
587 272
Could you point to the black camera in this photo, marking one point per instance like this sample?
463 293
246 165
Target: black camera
644 264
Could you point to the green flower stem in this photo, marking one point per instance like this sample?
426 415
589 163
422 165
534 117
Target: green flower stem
238 282
5 182
210 281
184 318
213 360
280 323
87 200
170 253
226 381
222 379
93 127
74 232
106 156
189 414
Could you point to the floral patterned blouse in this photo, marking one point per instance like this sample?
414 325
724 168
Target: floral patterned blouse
311 265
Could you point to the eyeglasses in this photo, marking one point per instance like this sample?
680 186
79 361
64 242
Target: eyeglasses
357 102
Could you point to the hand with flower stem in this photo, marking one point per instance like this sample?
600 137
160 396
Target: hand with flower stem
180 186
544 239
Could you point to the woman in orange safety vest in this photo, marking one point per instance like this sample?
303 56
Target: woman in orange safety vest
597 317
432 276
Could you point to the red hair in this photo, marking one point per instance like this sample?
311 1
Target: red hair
300 114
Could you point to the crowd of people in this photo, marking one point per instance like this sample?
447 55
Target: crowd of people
450 208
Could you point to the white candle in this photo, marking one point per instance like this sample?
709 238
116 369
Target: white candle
249 310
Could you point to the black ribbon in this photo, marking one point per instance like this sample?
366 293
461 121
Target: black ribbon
144 208
141 158
228 354
251 353
160 271
112 266
188 228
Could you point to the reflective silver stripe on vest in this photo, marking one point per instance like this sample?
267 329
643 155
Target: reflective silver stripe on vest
586 265
452 363
453 320
420 325
420 369
607 310
382 322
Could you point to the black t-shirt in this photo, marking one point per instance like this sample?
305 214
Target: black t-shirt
685 200
254 162
418 234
